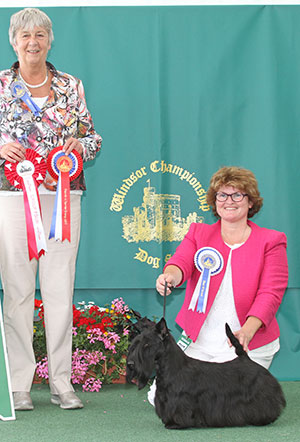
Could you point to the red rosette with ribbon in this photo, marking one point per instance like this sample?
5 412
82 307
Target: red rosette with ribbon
64 169
28 175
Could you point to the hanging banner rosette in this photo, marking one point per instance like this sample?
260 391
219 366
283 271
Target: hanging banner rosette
209 262
28 175
18 90
63 168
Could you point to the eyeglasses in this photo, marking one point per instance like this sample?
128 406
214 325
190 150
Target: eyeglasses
237 197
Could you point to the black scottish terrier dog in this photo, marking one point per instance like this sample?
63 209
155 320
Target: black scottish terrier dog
193 393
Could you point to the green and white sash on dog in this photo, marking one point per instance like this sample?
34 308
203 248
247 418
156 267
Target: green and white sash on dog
7 411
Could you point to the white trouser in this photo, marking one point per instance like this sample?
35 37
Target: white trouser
56 276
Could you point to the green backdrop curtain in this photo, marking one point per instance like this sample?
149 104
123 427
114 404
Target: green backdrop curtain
177 92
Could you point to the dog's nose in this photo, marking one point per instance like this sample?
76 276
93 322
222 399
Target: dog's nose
130 363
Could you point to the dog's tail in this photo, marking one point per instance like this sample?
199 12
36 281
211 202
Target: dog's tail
235 342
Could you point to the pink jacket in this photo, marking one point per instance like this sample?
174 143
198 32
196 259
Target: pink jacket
259 277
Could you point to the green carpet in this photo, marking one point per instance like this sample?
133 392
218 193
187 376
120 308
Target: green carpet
120 413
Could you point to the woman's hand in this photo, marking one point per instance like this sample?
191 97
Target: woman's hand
13 152
71 144
244 338
160 284
172 276
246 333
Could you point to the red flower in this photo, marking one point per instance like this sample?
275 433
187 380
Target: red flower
76 315
38 305
92 318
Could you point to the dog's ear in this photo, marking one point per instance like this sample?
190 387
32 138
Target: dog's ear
162 329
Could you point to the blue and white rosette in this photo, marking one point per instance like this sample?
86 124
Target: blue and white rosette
209 262
18 90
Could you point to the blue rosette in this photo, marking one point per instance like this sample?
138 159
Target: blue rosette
209 262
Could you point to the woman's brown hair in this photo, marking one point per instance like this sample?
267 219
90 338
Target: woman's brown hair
242 179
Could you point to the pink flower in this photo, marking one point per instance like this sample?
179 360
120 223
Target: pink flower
92 384
120 306
93 358
42 368
109 339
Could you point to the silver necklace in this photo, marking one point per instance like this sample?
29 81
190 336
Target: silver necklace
34 86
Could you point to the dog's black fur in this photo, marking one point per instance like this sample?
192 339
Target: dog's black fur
193 393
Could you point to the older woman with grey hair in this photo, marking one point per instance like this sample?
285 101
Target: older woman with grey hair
55 114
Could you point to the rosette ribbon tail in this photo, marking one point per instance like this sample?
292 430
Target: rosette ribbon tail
61 216
199 298
55 228
35 231
65 206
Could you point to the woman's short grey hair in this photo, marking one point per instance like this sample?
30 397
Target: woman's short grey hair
28 19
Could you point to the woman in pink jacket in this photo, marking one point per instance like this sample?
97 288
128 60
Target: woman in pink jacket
236 272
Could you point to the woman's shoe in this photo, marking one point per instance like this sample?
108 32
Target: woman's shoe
22 400
67 401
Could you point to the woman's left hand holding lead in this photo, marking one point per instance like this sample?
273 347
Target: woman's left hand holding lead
71 144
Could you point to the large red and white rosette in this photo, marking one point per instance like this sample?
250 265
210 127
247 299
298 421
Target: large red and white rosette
63 168
28 175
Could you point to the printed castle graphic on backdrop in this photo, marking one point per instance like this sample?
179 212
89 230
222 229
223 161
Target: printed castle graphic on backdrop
157 219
